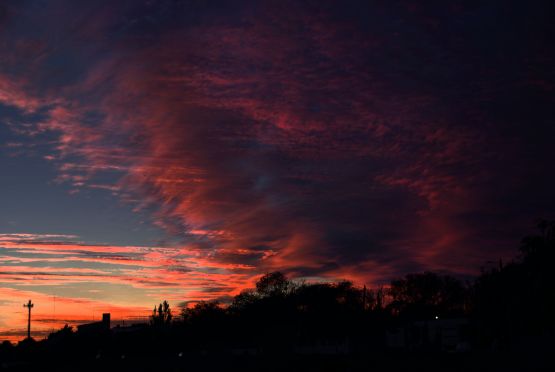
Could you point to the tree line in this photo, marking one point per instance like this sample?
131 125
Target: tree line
508 306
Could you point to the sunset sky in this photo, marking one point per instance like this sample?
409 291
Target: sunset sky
177 150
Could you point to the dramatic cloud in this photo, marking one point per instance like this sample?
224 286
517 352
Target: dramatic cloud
323 139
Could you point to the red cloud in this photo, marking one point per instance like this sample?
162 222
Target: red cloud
220 135
295 138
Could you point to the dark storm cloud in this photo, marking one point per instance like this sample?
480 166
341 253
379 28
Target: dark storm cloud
355 140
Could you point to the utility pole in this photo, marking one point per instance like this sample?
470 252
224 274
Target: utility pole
29 305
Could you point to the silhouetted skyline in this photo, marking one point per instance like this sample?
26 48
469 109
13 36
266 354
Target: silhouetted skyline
500 321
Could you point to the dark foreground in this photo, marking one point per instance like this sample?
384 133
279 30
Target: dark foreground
223 362
501 321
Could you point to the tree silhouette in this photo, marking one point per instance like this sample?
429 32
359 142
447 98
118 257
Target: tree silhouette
516 302
161 315
243 300
274 284
426 295
203 312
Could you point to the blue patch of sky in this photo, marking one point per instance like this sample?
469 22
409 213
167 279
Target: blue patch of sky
31 202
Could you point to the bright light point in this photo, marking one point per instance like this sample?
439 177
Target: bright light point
437 317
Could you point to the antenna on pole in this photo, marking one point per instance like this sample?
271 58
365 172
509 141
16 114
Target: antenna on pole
54 315
29 305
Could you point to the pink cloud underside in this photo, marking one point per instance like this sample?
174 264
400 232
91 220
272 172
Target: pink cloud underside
139 267
219 126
